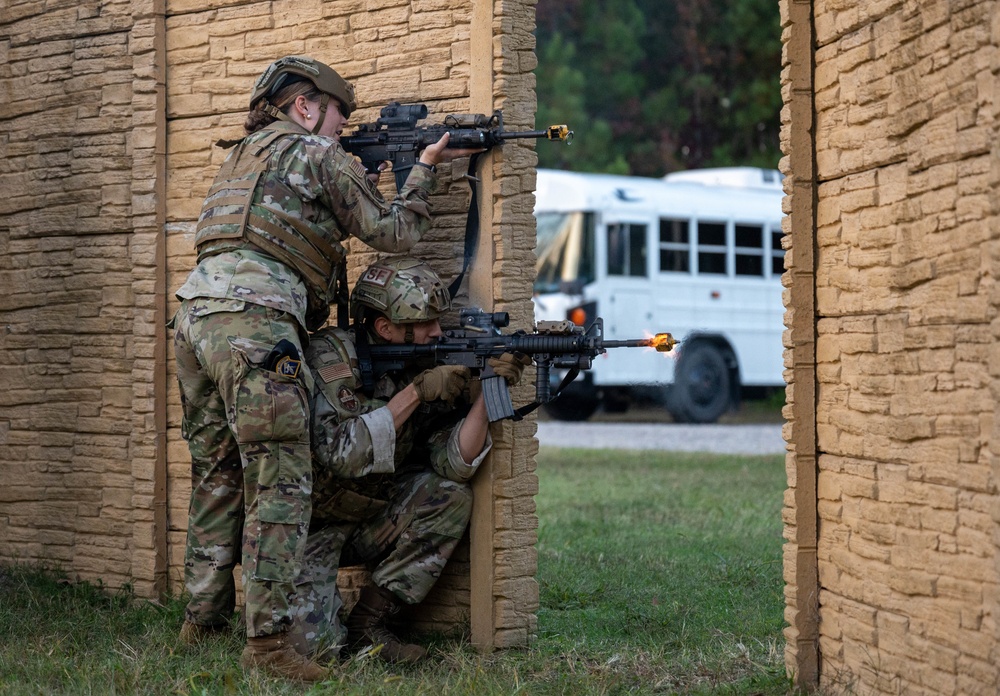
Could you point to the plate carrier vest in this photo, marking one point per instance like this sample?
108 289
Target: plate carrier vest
230 220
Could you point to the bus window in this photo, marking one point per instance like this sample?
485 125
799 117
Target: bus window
749 250
777 254
565 250
626 249
712 248
675 246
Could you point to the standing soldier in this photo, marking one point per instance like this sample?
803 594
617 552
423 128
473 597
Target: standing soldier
270 255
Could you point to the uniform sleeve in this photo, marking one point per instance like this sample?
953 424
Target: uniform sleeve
356 443
446 460
362 212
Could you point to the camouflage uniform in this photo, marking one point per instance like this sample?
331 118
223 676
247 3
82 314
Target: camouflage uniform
245 413
400 500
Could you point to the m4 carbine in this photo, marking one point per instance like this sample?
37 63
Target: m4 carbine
395 136
559 344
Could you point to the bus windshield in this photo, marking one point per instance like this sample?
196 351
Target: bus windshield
565 251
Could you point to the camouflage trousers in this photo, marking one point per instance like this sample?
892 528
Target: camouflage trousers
409 542
246 424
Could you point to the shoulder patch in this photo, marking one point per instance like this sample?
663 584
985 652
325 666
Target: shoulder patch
348 399
289 367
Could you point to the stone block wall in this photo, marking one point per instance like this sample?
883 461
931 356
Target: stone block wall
77 475
109 114
891 133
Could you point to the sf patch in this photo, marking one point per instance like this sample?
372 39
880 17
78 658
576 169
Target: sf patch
377 276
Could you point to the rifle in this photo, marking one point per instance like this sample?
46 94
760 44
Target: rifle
395 136
559 344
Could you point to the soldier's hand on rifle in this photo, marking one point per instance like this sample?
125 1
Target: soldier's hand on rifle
440 152
510 366
444 382
375 176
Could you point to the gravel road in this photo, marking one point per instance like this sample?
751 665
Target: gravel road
724 439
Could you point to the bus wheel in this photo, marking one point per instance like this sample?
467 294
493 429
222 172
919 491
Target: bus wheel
701 388
615 400
575 405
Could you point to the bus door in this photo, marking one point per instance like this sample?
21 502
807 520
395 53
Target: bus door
626 304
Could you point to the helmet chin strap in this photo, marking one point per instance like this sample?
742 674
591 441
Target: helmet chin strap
323 103
408 336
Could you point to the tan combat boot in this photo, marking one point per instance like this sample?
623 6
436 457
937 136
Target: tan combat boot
366 627
275 655
192 633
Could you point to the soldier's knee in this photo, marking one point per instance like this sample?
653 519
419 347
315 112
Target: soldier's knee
460 498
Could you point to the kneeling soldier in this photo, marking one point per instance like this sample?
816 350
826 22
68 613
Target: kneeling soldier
391 468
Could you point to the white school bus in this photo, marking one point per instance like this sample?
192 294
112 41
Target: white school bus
697 254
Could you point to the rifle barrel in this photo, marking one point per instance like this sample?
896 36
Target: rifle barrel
662 342
556 132
509 135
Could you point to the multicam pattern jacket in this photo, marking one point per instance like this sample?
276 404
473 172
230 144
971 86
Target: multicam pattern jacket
308 195
357 452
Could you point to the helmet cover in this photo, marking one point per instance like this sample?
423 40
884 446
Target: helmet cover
403 289
326 79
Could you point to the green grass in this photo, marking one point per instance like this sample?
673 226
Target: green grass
676 557
659 573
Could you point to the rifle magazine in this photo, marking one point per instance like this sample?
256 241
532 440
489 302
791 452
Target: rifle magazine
496 393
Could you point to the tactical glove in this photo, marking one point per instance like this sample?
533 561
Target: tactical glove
510 366
443 382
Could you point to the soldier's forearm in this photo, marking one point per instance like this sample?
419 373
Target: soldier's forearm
472 435
402 405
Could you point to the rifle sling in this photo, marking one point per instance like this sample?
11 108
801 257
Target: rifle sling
364 352
471 226
520 413
343 296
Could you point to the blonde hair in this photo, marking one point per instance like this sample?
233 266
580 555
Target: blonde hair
257 118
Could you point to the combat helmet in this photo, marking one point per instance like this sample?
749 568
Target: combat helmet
403 289
285 70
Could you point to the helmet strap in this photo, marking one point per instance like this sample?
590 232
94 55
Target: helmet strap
323 103
271 110
408 336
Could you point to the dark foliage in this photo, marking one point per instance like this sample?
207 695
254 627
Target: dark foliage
652 87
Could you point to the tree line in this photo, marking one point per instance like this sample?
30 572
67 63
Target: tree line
655 86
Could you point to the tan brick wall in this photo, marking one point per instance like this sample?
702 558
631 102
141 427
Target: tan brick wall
76 473
902 126
109 113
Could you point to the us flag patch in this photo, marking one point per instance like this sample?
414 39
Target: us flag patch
334 372
359 169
